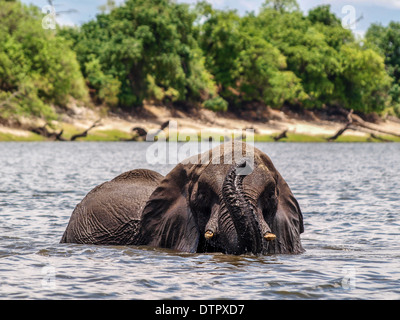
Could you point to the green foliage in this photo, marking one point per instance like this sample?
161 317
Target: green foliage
308 53
246 66
107 88
170 52
282 5
364 81
262 75
220 41
216 104
386 40
280 56
397 110
37 67
149 47
322 14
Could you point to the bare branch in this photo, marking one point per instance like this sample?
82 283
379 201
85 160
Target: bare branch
85 133
281 135
355 123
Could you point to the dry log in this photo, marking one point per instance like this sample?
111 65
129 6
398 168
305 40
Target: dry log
347 126
281 135
85 133
339 133
374 136
355 123
164 125
361 123
142 133
342 130
43 131
59 137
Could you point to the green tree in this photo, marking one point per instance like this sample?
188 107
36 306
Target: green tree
149 47
330 25
386 40
309 56
37 67
282 5
169 52
107 88
263 75
245 65
220 40
364 82
332 66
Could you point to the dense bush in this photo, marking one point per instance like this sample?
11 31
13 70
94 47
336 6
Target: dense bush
149 47
37 68
216 104
386 40
171 52
282 56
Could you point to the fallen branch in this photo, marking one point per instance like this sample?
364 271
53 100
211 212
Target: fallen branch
43 131
374 136
281 135
355 123
142 133
342 130
361 123
85 133
164 125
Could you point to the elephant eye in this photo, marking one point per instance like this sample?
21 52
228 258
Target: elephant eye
201 198
269 201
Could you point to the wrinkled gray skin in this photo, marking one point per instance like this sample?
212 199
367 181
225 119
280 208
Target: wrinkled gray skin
110 213
205 194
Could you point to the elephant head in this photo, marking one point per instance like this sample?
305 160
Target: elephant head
208 204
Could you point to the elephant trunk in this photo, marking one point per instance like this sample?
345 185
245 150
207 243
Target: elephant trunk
242 214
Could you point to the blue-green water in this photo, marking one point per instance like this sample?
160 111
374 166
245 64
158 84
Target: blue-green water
349 195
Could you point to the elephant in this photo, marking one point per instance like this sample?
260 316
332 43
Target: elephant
205 204
110 213
230 199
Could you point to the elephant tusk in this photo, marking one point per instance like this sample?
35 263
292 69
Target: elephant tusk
209 234
269 236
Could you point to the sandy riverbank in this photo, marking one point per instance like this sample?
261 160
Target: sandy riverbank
116 127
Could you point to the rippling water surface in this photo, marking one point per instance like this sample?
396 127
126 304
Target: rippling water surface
349 195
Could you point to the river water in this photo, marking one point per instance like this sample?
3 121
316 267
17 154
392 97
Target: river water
349 195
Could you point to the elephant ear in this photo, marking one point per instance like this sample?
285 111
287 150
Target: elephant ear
287 223
167 220
288 220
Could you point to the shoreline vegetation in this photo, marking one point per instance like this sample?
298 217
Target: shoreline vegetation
275 126
288 75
